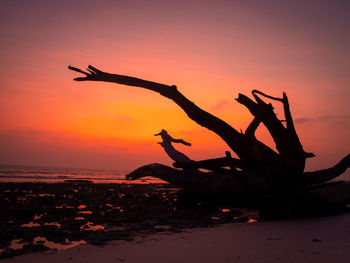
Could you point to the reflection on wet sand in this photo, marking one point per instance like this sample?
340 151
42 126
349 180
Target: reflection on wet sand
53 224
18 244
30 224
37 216
58 246
91 226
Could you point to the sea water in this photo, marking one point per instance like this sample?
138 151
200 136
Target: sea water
17 173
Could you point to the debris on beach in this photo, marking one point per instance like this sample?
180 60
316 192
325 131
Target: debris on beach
41 216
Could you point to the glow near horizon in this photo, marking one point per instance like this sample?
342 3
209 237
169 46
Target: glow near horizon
210 51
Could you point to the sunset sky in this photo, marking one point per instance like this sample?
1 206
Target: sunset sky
212 50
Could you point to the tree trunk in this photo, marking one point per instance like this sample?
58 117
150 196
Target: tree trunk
260 177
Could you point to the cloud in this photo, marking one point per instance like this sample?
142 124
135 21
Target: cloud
221 104
123 118
328 117
302 120
336 120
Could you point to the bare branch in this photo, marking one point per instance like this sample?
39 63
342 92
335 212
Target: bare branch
235 140
265 95
180 141
321 176
250 131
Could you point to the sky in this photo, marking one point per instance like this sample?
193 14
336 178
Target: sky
212 50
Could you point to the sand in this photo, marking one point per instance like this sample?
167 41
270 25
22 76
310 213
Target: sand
37 216
303 240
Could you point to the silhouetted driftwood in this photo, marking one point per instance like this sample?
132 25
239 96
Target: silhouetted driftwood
261 177
325 175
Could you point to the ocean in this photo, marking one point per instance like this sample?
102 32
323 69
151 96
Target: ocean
19 173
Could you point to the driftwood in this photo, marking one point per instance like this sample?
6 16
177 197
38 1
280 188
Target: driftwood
274 182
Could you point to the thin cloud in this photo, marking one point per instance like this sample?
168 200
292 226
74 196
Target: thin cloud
302 120
221 104
123 118
324 118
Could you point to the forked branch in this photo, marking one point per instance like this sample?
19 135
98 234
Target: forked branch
235 140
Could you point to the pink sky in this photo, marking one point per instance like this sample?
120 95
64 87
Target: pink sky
211 50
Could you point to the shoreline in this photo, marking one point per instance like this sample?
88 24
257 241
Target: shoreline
325 239
37 216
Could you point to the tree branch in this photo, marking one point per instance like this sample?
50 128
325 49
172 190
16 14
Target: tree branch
211 164
235 140
250 131
286 140
321 176
180 141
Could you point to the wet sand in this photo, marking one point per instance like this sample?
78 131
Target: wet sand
36 217
324 239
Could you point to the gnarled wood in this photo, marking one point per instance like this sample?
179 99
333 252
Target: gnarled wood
286 139
215 185
169 148
235 140
325 175
211 163
260 177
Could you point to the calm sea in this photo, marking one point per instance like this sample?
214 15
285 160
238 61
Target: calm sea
16 173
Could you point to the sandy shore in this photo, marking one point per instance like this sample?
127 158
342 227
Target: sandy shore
303 240
39 216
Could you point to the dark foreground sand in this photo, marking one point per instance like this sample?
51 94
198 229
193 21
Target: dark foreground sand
305 240
36 217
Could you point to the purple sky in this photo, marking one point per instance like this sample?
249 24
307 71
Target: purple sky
210 49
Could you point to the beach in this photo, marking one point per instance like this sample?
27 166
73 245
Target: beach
86 222
81 221
39 217
324 239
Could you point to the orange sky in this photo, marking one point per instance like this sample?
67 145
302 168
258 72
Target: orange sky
211 50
